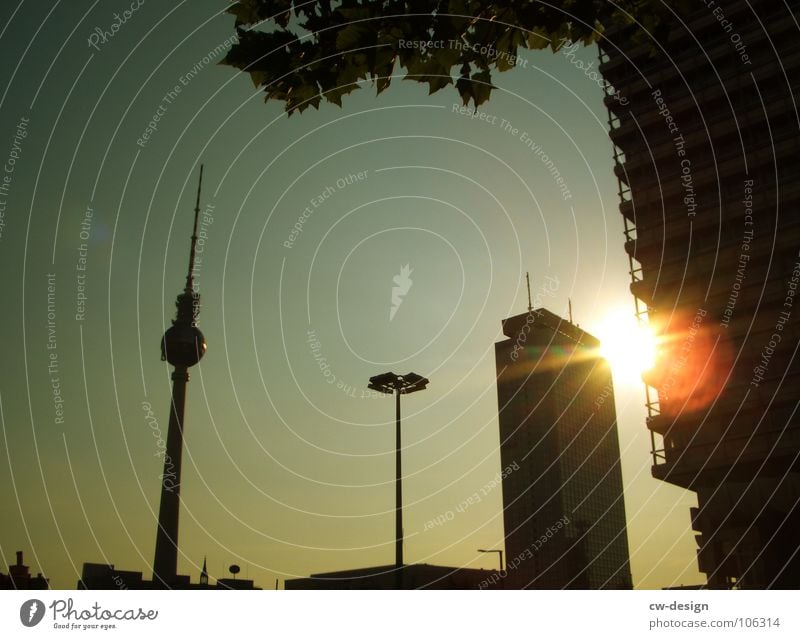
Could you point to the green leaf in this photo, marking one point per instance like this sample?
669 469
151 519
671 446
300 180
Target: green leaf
506 51
297 59
258 78
335 95
464 86
382 82
353 69
383 67
429 70
245 11
354 36
300 97
457 9
538 39
482 87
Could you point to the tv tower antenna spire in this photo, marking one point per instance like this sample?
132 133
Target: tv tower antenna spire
190 275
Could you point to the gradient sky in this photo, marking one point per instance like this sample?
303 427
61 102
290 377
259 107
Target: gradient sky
285 473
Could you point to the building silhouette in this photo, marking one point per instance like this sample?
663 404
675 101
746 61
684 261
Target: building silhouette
19 578
107 577
412 577
704 128
564 513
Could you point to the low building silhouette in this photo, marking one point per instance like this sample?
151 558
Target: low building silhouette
413 577
20 578
107 577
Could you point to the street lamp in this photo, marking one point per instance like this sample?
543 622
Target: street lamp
500 553
390 383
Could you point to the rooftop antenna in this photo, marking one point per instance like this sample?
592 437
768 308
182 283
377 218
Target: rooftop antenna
569 299
528 279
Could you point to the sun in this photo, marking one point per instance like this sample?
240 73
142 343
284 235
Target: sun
629 347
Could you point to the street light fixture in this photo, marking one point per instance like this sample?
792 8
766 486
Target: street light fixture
500 552
390 383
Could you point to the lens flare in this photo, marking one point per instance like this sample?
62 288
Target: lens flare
629 347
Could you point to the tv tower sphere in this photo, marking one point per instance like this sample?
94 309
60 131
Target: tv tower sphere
183 344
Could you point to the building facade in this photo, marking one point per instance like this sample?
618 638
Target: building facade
704 125
564 512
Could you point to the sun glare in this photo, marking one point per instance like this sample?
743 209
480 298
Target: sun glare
629 347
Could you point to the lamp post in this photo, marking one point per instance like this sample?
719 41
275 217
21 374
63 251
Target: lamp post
390 383
500 553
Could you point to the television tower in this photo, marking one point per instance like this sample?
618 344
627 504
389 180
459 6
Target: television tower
183 345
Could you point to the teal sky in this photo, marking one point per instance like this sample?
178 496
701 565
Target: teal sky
285 473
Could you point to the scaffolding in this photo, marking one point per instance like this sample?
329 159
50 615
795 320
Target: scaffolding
641 308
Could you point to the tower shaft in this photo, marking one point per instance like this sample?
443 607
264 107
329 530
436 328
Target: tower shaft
165 565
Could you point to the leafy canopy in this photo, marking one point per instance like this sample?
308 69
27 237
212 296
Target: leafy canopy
304 52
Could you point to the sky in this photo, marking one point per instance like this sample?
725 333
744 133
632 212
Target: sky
305 223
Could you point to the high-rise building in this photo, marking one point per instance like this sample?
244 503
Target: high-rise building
704 124
564 512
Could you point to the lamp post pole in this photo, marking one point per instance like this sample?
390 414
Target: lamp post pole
390 383
398 490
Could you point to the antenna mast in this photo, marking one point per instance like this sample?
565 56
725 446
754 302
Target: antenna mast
528 278
189 276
